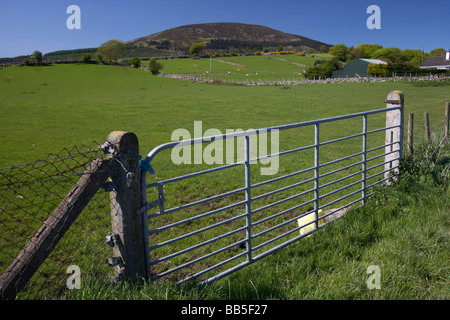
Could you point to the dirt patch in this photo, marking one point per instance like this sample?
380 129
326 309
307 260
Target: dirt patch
335 215
297 64
232 63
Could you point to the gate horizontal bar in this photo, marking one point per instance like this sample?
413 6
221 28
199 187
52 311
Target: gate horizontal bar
190 234
184 206
194 174
342 198
231 270
340 189
341 159
283 212
282 177
341 169
340 179
384 171
187 264
171 145
282 189
341 139
199 245
285 223
168 226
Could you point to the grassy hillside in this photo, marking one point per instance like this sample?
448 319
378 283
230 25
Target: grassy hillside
245 68
44 109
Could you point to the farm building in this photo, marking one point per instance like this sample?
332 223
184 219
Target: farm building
356 68
439 62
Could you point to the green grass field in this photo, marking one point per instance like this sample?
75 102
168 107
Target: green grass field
44 109
247 68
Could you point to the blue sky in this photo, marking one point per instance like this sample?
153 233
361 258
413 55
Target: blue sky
41 25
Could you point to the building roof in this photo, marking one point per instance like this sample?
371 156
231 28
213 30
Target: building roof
438 61
374 61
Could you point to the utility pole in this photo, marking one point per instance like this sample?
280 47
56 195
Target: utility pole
210 68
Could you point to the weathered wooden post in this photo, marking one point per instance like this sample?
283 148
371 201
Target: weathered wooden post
427 126
447 118
394 136
411 134
128 234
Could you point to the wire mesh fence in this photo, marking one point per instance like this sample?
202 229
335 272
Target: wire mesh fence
29 193
426 128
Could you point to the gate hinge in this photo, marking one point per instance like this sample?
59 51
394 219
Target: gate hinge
114 261
112 239
148 206
109 186
393 101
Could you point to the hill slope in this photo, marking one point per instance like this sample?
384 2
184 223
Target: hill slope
224 36
219 37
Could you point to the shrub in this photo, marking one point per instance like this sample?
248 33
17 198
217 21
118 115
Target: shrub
28 61
37 55
99 57
155 66
86 57
323 69
135 62
378 69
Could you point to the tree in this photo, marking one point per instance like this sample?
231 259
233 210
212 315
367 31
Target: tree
323 68
323 48
86 57
436 52
135 62
368 49
340 51
392 55
37 55
355 53
155 66
112 50
412 57
197 48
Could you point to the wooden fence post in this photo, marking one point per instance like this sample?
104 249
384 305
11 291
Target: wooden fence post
394 136
426 119
411 134
447 118
127 227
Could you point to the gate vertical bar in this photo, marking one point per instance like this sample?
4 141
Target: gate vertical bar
144 218
364 159
316 175
248 199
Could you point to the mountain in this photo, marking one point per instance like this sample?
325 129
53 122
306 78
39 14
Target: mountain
223 37
219 37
